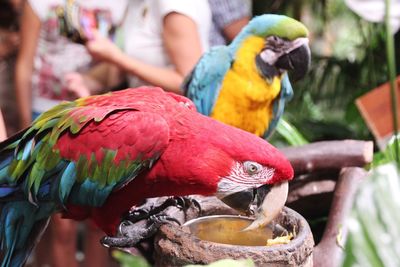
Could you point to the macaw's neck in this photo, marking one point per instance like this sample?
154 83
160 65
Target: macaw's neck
187 167
246 98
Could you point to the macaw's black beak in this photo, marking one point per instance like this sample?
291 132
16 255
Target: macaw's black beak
268 199
297 62
268 71
240 201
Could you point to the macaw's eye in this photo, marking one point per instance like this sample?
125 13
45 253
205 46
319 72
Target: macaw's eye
252 167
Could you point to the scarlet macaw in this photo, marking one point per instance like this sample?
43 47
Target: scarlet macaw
246 83
96 157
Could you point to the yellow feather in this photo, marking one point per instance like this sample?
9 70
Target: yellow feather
246 98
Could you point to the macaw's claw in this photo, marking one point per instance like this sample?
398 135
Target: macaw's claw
182 203
118 242
130 234
139 214
160 219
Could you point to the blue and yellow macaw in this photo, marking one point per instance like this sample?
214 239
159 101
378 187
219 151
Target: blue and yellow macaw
246 83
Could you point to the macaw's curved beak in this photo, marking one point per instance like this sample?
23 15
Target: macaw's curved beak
296 62
269 201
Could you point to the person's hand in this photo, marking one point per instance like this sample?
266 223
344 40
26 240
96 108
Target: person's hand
25 119
102 48
75 84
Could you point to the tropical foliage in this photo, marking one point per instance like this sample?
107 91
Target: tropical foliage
374 231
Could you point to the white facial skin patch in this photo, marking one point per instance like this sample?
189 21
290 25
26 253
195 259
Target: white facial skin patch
240 179
279 47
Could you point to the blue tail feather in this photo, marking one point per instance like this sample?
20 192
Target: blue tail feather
21 225
5 191
5 160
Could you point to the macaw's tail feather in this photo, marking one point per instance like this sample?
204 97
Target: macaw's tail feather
21 226
7 153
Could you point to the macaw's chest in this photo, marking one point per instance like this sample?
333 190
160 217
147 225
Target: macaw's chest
246 102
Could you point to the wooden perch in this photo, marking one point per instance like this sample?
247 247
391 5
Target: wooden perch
328 252
329 155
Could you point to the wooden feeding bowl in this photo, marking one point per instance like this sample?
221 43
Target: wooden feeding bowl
195 243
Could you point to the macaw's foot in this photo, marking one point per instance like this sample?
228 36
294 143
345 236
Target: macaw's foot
130 234
182 203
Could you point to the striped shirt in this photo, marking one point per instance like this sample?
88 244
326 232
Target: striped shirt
225 12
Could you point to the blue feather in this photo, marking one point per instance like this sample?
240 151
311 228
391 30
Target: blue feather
44 190
4 175
67 181
5 191
21 224
8 256
90 193
259 26
285 95
27 150
286 87
204 83
6 161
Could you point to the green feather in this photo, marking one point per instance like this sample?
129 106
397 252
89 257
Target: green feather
12 145
83 119
52 160
82 169
289 28
19 169
35 178
48 125
117 172
97 174
75 128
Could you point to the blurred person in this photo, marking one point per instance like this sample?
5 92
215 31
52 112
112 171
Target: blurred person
162 41
9 38
52 45
3 134
49 50
9 42
228 18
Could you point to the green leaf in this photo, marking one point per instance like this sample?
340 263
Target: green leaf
290 133
374 231
389 154
128 260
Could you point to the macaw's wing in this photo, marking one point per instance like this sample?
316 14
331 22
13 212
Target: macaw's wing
81 154
202 86
285 95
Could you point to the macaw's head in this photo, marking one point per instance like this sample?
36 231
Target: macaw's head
241 169
285 45
257 180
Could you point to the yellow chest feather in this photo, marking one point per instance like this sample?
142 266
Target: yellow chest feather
246 98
